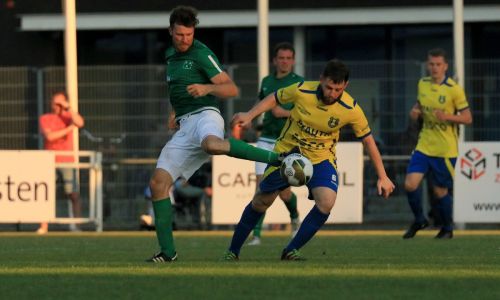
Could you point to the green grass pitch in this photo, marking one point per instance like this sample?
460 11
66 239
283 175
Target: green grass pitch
340 265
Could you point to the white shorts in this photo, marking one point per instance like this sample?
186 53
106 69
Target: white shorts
183 155
267 144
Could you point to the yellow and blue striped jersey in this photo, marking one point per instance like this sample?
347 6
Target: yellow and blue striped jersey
438 138
315 126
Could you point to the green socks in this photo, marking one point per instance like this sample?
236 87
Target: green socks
291 205
258 228
240 149
163 224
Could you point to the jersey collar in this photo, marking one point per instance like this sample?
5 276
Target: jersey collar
444 80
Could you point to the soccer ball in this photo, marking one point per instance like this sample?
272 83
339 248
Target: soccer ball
296 169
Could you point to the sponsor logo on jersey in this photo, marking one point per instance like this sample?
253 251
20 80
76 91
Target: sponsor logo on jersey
311 131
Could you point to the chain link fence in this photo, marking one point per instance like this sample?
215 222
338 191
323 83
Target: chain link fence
126 110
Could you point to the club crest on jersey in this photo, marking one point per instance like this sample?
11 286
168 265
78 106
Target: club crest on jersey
188 65
442 99
333 122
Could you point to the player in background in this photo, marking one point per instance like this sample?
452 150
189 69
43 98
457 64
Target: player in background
195 78
274 120
321 109
57 130
438 101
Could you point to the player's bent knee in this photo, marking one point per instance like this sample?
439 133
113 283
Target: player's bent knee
325 207
410 186
261 204
159 188
286 195
440 192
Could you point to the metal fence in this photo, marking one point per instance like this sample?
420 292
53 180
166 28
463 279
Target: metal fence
126 108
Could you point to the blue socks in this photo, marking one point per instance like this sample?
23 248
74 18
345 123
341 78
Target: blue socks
415 202
311 224
247 223
446 211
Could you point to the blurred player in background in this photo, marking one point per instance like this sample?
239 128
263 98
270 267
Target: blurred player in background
274 120
195 78
321 109
57 130
438 101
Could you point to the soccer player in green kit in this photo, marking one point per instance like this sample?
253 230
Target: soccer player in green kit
274 120
195 78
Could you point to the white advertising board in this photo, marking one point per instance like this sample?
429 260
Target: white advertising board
27 186
233 182
477 183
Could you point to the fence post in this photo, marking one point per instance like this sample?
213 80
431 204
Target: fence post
40 100
229 103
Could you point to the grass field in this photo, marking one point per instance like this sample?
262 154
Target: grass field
340 265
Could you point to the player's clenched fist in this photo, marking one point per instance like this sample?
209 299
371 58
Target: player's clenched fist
198 90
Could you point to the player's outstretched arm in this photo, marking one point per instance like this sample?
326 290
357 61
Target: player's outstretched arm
280 112
244 119
384 184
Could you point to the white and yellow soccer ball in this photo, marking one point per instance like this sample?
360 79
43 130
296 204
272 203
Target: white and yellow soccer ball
296 169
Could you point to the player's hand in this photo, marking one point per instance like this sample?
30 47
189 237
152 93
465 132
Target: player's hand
198 90
385 187
415 112
440 115
241 119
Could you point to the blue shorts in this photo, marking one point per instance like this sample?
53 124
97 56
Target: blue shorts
441 169
324 174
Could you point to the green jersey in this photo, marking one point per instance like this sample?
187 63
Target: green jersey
271 125
197 65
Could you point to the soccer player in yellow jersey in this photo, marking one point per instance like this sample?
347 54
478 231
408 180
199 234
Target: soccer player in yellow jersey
321 109
439 99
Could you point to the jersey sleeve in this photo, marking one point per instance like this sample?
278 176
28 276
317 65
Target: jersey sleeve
359 123
286 94
459 99
209 63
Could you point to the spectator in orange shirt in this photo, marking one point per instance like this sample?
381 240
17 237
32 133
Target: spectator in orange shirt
57 130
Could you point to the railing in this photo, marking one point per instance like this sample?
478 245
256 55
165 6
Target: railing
92 161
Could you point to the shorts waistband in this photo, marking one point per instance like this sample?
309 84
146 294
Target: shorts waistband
195 112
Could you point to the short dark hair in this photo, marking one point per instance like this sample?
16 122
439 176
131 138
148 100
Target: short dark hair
336 71
184 15
437 52
283 46
61 92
